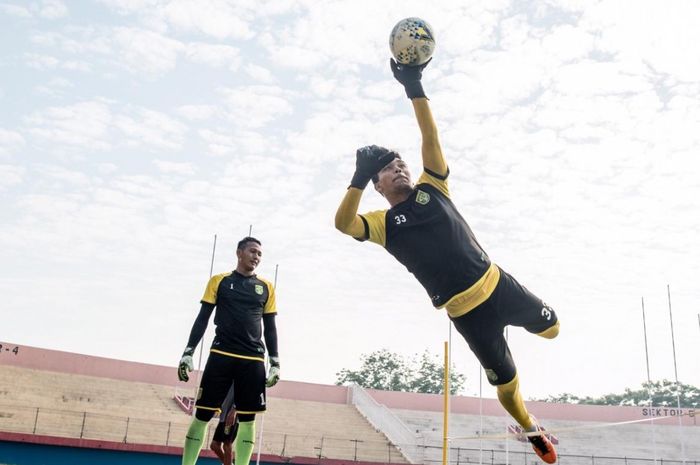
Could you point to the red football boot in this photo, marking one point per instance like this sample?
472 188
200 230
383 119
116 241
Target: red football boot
541 444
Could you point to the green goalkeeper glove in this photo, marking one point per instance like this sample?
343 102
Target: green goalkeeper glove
186 365
273 375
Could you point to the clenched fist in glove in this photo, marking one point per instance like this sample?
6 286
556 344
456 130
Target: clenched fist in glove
369 161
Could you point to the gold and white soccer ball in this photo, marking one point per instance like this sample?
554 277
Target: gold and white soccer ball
412 41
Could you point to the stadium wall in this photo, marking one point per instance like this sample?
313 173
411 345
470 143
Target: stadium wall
66 362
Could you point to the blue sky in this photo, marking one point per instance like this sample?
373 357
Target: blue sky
133 131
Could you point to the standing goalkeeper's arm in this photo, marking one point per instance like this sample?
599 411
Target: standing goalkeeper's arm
186 364
270 332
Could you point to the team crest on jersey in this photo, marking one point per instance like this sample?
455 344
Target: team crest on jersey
259 289
422 197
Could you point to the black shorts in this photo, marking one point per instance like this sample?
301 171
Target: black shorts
482 328
247 377
224 434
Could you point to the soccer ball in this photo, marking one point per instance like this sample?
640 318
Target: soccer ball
412 41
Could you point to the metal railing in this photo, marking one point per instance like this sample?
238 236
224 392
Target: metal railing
464 456
388 423
88 425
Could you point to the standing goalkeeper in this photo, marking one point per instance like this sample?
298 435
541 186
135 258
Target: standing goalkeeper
237 355
424 231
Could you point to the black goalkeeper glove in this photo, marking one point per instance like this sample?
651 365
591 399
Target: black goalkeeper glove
409 77
370 160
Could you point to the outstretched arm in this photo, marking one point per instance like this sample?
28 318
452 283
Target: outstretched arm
410 78
433 159
346 218
369 161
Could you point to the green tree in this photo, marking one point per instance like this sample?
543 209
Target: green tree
389 371
658 393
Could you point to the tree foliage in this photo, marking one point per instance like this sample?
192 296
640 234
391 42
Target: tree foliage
657 393
389 371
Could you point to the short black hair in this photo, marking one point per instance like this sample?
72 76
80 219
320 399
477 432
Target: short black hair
244 242
375 178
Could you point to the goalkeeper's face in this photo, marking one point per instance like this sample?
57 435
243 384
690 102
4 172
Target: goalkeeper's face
249 256
394 179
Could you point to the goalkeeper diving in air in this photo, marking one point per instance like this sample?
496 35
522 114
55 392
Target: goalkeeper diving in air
424 231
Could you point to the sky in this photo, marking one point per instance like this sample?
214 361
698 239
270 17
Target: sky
132 132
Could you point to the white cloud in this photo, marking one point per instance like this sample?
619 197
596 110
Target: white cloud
10 176
77 40
15 10
99 125
196 112
53 9
217 18
146 51
291 56
658 34
568 42
43 62
107 168
126 7
260 74
55 87
68 177
594 78
256 106
213 54
84 124
322 87
219 143
10 141
47 9
151 128
142 51
185 169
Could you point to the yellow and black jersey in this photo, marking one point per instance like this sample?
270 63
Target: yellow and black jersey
427 234
240 303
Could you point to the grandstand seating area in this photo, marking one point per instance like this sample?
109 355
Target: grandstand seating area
70 405
575 438
64 395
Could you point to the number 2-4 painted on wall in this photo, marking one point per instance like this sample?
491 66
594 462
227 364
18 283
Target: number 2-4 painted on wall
14 350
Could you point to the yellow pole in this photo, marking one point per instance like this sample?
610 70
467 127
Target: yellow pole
446 409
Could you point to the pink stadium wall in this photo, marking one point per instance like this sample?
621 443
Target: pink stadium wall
66 362
491 407
88 365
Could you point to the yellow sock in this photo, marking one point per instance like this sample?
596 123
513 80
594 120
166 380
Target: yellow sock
194 439
245 440
512 401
